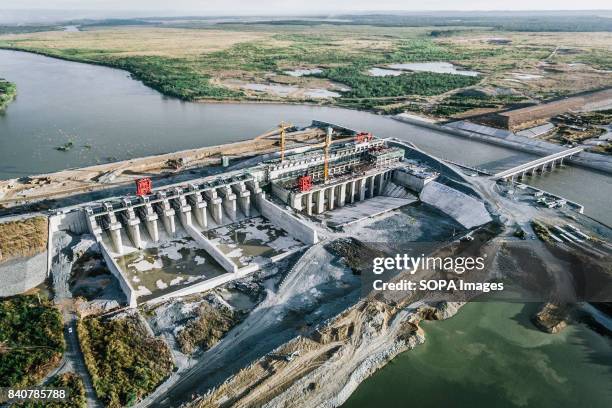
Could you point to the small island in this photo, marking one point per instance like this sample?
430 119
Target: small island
8 91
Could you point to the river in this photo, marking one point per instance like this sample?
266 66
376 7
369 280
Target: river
491 355
488 353
109 116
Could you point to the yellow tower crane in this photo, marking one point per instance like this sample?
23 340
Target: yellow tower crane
328 141
283 126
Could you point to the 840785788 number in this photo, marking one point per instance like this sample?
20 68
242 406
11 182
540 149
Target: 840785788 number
33 394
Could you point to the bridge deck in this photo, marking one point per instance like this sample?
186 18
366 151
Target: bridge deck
538 162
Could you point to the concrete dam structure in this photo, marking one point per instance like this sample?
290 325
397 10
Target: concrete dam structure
193 236
205 205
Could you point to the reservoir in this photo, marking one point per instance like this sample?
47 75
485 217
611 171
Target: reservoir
108 116
488 353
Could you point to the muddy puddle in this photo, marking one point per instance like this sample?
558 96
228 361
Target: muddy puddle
253 240
167 266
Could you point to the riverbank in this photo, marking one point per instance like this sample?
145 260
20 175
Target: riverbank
490 354
8 92
347 87
329 65
54 186
110 117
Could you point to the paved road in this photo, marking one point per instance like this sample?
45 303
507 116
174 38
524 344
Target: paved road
73 360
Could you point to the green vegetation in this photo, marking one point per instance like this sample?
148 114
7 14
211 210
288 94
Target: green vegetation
215 61
541 231
207 328
76 391
172 77
8 91
576 127
189 77
597 58
460 103
20 29
602 117
424 50
21 238
124 362
418 83
31 340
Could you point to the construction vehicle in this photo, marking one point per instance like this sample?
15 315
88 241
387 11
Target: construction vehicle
143 186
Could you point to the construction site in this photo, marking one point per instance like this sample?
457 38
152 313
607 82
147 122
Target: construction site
254 270
187 237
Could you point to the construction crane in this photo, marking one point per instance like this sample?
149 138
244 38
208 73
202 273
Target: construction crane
328 141
283 126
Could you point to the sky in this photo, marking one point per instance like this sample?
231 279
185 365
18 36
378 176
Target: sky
54 11
302 6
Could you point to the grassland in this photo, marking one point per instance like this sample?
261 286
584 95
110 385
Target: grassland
21 238
124 362
8 91
215 62
31 340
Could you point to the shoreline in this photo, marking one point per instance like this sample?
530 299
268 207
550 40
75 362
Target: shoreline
89 179
592 161
224 100
326 102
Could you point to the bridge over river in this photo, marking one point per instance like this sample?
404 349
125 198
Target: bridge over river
539 164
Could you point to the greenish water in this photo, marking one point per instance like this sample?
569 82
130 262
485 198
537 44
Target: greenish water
490 355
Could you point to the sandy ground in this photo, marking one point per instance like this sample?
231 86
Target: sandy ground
20 192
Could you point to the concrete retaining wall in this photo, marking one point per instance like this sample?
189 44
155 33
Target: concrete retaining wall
287 221
408 180
22 274
466 210
212 250
206 285
74 221
279 192
116 271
